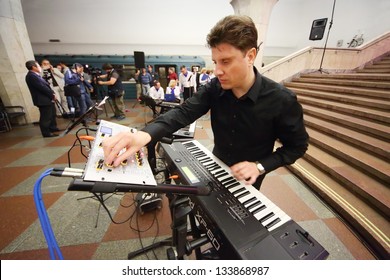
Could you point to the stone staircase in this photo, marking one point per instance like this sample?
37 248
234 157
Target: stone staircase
348 161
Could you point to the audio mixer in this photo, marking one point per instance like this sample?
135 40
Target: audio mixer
133 170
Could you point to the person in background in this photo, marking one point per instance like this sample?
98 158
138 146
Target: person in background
86 78
63 66
156 92
145 79
172 75
115 90
203 77
56 81
74 77
137 83
187 82
72 104
155 77
43 97
172 93
248 111
195 70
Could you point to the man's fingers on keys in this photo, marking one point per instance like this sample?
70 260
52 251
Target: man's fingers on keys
125 155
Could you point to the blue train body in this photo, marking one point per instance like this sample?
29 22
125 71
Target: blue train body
126 67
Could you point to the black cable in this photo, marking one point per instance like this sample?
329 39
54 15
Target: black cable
127 206
140 231
155 237
100 199
80 143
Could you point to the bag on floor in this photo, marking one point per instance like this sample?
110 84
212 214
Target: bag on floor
72 90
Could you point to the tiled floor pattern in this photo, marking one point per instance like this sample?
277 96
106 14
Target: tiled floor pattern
84 230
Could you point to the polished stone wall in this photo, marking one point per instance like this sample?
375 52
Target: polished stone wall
15 50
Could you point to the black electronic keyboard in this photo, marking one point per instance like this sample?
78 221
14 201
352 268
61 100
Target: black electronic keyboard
168 104
240 222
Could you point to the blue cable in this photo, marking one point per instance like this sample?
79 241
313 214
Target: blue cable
54 249
44 219
38 205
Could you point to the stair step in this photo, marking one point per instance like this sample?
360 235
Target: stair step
376 130
366 162
372 227
347 116
377 195
350 76
358 100
365 70
365 113
382 62
375 93
371 144
377 66
363 83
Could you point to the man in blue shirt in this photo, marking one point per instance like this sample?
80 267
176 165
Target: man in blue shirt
74 76
145 79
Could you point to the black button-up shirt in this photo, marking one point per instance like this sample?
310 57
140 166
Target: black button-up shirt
245 129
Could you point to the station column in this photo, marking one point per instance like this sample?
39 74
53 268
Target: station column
259 11
15 50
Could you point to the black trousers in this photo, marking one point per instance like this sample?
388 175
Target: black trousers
188 92
47 119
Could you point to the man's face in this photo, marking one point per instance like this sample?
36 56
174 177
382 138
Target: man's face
183 70
37 68
45 64
232 67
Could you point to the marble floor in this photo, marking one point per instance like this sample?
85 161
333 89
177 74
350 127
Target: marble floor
84 230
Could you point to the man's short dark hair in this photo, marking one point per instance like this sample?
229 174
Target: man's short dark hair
236 30
30 64
107 66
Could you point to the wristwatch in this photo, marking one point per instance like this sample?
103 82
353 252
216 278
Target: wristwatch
260 167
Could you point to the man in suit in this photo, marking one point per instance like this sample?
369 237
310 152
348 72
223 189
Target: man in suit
43 97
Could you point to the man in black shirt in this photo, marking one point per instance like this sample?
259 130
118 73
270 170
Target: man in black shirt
248 112
115 90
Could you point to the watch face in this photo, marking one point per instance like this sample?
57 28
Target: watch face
260 167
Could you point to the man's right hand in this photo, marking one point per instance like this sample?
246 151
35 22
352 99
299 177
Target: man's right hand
133 142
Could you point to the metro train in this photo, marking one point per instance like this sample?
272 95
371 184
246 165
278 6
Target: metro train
126 65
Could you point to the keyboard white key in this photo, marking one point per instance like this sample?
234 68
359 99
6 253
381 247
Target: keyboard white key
263 209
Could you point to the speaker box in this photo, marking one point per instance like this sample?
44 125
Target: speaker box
318 29
139 60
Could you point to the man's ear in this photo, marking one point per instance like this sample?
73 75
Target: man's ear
252 55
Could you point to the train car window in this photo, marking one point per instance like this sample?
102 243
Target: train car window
162 70
125 71
195 67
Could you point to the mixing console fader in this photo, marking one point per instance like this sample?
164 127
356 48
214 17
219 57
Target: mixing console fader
133 170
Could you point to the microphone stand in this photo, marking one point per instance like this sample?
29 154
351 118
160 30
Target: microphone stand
326 41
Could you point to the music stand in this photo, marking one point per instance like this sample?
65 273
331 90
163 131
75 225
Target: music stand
84 116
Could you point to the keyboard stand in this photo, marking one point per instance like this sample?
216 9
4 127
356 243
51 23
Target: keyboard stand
178 243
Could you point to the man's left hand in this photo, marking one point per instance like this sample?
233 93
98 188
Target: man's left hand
245 171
